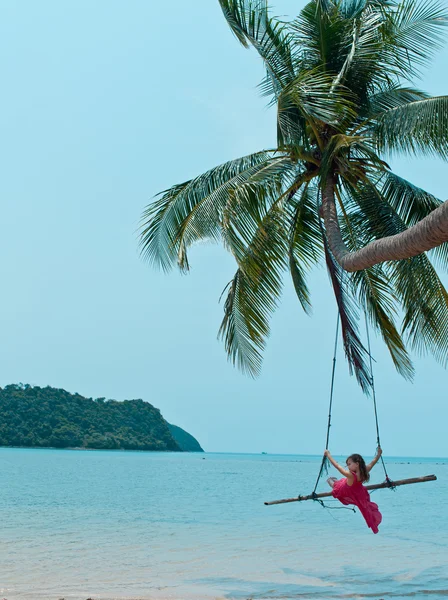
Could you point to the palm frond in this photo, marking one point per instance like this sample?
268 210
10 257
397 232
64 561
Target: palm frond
244 348
412 205
425 301
416 283
355 352
313 95
253 293
411 202
365 52
191 211
291 124
323 6
350 9
320 36
419 127
416 30
375 291
250 202
392 96
250 22
305 241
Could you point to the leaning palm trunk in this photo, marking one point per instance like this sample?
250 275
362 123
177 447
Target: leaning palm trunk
427 234
339 75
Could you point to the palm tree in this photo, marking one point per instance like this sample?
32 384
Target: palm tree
340 75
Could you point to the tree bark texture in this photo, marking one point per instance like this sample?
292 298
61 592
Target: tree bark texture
430 232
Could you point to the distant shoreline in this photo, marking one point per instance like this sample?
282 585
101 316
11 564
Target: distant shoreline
395 459
80 448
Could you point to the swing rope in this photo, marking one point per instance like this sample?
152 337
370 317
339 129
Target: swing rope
325 462
372 383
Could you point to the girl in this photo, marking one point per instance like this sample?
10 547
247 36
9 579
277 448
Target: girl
350 489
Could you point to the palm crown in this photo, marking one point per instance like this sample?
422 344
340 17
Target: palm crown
340 76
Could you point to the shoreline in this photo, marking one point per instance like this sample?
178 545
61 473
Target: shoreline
394 459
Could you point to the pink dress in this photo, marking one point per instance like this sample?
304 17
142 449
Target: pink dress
358 495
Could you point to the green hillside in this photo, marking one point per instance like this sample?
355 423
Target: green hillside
49 417
185 440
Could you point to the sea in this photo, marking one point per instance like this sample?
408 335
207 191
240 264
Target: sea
137 525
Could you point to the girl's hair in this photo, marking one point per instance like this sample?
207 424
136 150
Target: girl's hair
357 458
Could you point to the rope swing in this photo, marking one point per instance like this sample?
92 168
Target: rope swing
388 483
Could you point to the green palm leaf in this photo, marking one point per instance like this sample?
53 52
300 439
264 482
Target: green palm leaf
351 9
292 128
253 293
305 242
392 96
250 22
412 204
374 290
373 287
313 94
191 211
250 202
416 283
320 35
416 30
355 352
366 54
425 301
419 127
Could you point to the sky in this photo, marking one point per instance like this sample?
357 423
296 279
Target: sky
104 104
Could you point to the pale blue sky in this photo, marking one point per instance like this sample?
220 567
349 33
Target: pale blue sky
104 104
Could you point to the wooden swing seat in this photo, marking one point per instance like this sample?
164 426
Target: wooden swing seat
377 486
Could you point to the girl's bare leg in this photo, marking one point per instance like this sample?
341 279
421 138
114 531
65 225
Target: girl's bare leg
331 481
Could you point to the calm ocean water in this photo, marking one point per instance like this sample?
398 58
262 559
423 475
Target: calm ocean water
80 525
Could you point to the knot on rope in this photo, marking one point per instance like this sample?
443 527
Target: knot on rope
390 483
316 499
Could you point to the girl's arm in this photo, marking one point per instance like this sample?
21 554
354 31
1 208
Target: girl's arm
375 460
337 466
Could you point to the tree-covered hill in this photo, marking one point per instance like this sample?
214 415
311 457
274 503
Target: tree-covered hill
49 417
185 440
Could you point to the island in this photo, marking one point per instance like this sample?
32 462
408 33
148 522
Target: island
35 417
